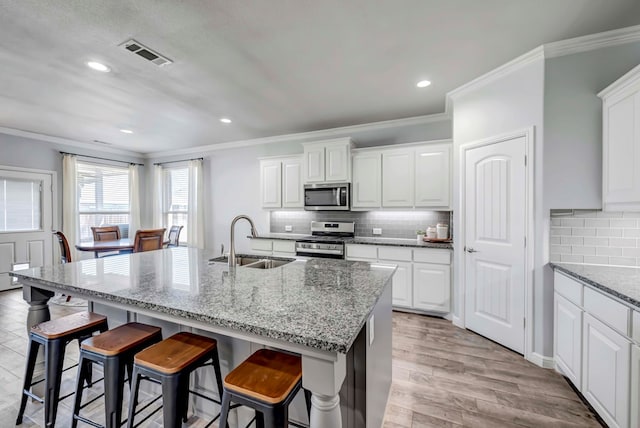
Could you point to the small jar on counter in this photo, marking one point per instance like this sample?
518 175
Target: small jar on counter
431 232
442 231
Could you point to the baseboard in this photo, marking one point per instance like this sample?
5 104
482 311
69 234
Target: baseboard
542 361
457 321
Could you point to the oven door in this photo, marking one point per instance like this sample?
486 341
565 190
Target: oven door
326 197
310 249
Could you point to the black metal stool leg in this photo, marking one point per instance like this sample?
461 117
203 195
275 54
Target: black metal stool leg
307 400
184 397
28 377
133 398
224 409
171 402
260 419
84 366
113 384
54 358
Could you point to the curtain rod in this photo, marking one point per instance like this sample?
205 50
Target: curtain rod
176 161
96 157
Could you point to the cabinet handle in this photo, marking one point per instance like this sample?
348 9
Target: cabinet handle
470 250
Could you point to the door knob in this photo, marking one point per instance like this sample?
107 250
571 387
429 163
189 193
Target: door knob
470 250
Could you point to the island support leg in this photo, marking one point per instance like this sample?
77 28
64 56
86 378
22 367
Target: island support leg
324 378
38 305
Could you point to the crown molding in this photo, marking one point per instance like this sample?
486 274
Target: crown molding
630 78
591 42
68 142
305 137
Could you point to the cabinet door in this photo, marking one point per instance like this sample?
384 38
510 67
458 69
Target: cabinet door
567 339
397 178
432 180
270 183
605 371
622 154
313 164
635 387
292 190
432 287
337 163
366 189
402 284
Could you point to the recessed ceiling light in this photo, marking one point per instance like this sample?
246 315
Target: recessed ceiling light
225 120
126 131
423 84
98 66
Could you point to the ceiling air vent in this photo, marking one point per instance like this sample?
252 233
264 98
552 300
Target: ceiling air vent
146 53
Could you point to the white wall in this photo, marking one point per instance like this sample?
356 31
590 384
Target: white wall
511 103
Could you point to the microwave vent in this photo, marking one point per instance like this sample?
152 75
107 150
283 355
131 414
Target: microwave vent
146 53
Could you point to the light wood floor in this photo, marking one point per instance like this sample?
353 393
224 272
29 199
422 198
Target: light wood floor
442 377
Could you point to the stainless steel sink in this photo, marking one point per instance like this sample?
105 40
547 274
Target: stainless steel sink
254 262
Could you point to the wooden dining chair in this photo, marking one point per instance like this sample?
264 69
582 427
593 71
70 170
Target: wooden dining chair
65 251
105 233
174 236
148 240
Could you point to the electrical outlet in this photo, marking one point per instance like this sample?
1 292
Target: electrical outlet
377 231
288 228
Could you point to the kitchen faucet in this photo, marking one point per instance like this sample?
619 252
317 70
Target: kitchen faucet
232 249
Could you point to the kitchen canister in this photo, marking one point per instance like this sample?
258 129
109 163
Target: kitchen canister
442 231
431 232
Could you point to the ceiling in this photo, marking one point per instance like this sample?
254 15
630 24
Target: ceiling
274 67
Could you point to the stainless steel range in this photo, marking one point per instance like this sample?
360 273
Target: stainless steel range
326 240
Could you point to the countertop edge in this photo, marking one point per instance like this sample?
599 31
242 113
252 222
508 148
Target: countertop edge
366 241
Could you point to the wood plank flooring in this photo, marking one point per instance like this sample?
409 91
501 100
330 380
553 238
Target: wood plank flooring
442 377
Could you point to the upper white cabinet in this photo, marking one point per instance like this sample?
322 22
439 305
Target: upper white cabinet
621 143
281 183
367 180
397 178
327 161
433 176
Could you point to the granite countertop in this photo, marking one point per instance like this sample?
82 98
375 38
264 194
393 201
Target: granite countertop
620 282
365 240
319 303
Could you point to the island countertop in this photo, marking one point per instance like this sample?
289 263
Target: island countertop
319 303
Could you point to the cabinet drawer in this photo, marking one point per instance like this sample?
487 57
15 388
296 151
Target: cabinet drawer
432 255
568 288
607 310
362 251
394 253
261 244
635 328
284 246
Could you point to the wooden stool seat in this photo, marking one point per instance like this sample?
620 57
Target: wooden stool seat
174 354
68 325
267 375
121 339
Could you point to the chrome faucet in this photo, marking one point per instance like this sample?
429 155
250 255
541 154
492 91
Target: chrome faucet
232 249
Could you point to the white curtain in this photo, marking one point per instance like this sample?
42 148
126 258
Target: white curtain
70 202
195 219
134 200
158 197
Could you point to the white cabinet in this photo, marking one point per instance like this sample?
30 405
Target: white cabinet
605 371
621 143
567 339
432 287
327 161
402 285
367 180
433 176
398 178
273 247
281 183
634 416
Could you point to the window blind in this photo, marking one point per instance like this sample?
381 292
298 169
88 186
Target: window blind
20 205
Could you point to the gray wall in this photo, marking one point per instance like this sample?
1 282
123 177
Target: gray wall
573 123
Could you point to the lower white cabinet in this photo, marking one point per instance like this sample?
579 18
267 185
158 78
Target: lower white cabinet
606 357
567 339
634 405
402 285
432 287
273 247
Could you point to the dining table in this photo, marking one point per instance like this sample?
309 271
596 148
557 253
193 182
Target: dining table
122 245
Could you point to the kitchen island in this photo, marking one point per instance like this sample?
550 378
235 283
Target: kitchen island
336 314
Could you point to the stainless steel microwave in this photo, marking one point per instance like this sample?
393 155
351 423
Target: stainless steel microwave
327 197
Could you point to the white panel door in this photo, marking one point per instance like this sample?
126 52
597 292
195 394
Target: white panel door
567 339
292 189
367 180
402 293
337 162
26 222
313 164
397 178
432 287
605 371
433 176
270 183
495 208
634 416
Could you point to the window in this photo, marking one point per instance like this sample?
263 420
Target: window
176 199
20 202
103 196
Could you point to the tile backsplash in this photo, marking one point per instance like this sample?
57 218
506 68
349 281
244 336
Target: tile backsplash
394 224
595 237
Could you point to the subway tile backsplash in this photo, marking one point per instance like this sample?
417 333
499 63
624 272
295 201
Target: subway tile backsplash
595 237
394 224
